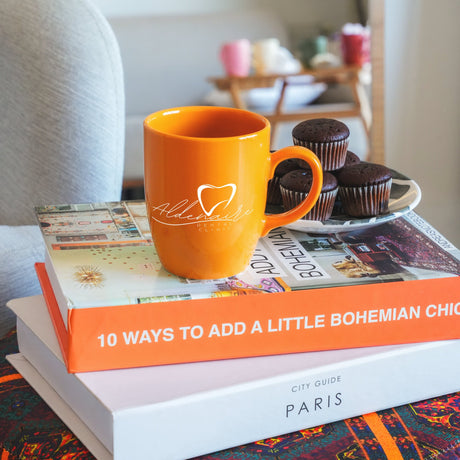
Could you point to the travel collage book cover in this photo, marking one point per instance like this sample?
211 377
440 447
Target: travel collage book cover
106 249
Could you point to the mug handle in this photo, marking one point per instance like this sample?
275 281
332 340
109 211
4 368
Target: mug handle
277 220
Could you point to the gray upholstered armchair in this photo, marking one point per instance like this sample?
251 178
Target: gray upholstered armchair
62 122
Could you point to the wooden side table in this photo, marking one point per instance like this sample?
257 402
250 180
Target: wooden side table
347 75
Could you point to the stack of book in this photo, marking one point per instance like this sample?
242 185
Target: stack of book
320 328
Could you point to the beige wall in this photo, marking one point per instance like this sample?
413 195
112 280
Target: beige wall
303 17
422 99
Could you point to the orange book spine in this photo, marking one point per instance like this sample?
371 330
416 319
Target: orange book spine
53 309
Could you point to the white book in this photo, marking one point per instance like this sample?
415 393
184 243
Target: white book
184 410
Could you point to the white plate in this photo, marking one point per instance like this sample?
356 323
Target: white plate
405 195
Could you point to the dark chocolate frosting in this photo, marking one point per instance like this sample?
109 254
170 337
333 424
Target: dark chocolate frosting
351 159
285 166
321 130
363 174
300 180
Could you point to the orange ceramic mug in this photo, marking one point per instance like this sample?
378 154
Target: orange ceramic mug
206 173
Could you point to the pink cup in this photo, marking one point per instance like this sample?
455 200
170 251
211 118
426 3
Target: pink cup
236 57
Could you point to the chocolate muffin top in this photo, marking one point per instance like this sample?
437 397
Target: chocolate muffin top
321 130
285 166
363 174
300 180
351 159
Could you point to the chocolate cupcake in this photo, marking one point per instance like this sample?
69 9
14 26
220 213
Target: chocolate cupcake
295 186
273 190
327 138
364 189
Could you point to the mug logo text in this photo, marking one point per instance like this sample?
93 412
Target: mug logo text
211 205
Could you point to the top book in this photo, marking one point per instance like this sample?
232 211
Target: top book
101 255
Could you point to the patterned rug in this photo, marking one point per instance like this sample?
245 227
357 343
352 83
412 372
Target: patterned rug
426 430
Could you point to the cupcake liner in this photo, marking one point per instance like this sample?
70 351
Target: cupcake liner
273 191
322 209
365 201
332 155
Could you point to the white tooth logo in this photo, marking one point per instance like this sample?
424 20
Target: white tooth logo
201 188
